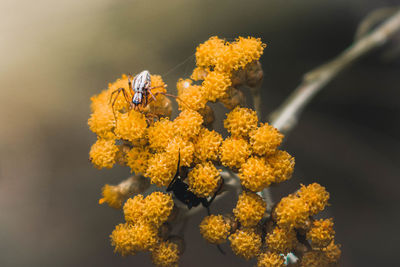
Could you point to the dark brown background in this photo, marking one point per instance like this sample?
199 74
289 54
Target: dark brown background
55 55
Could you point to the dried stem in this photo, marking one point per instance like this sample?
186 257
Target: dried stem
286 116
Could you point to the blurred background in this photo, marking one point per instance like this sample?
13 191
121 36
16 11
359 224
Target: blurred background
56 54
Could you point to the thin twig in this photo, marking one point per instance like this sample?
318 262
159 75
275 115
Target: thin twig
286 116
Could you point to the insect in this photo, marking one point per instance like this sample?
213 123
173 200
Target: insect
140 89
181 192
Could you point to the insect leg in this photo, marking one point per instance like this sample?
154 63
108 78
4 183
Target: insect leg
169 188
215 194
115 99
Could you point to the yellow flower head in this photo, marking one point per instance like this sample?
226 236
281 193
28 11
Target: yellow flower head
133 209
131 125
332 252
315 196
102 154
291 212
234 152
137 158
215 85
192 97
248 49
166 254
160 134
102 120
282 165
158 207
214 229
255 175
245 243
241 121
250 209
321 233
204 179
162 168
282 240
270 259
265 139
188 123
113 196
182 147
238 54
207 144
162 107
208 52
129 239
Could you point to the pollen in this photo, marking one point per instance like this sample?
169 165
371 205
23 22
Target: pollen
282 165
161 168
204 179
188 123
234 152
166 254
265 140
182 147
291 212
270 259
160 133
321 233
282 240
131 125
158 207
133 209
241 121
315 196
245 243
215 85
102 154
207 144
137 159
255 175
249 209
214 229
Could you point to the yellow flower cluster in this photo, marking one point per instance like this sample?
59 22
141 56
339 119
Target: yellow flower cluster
112 120
103 152
166 254
270 259
241 121
143 217
265 140
246 243
282 240
227 57
204 179
207 144
151 144
215 229
323 257
294 210
321 233
249 209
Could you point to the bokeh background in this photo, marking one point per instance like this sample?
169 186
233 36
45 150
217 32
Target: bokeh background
56 54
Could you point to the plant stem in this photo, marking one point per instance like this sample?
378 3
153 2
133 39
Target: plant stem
286 116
